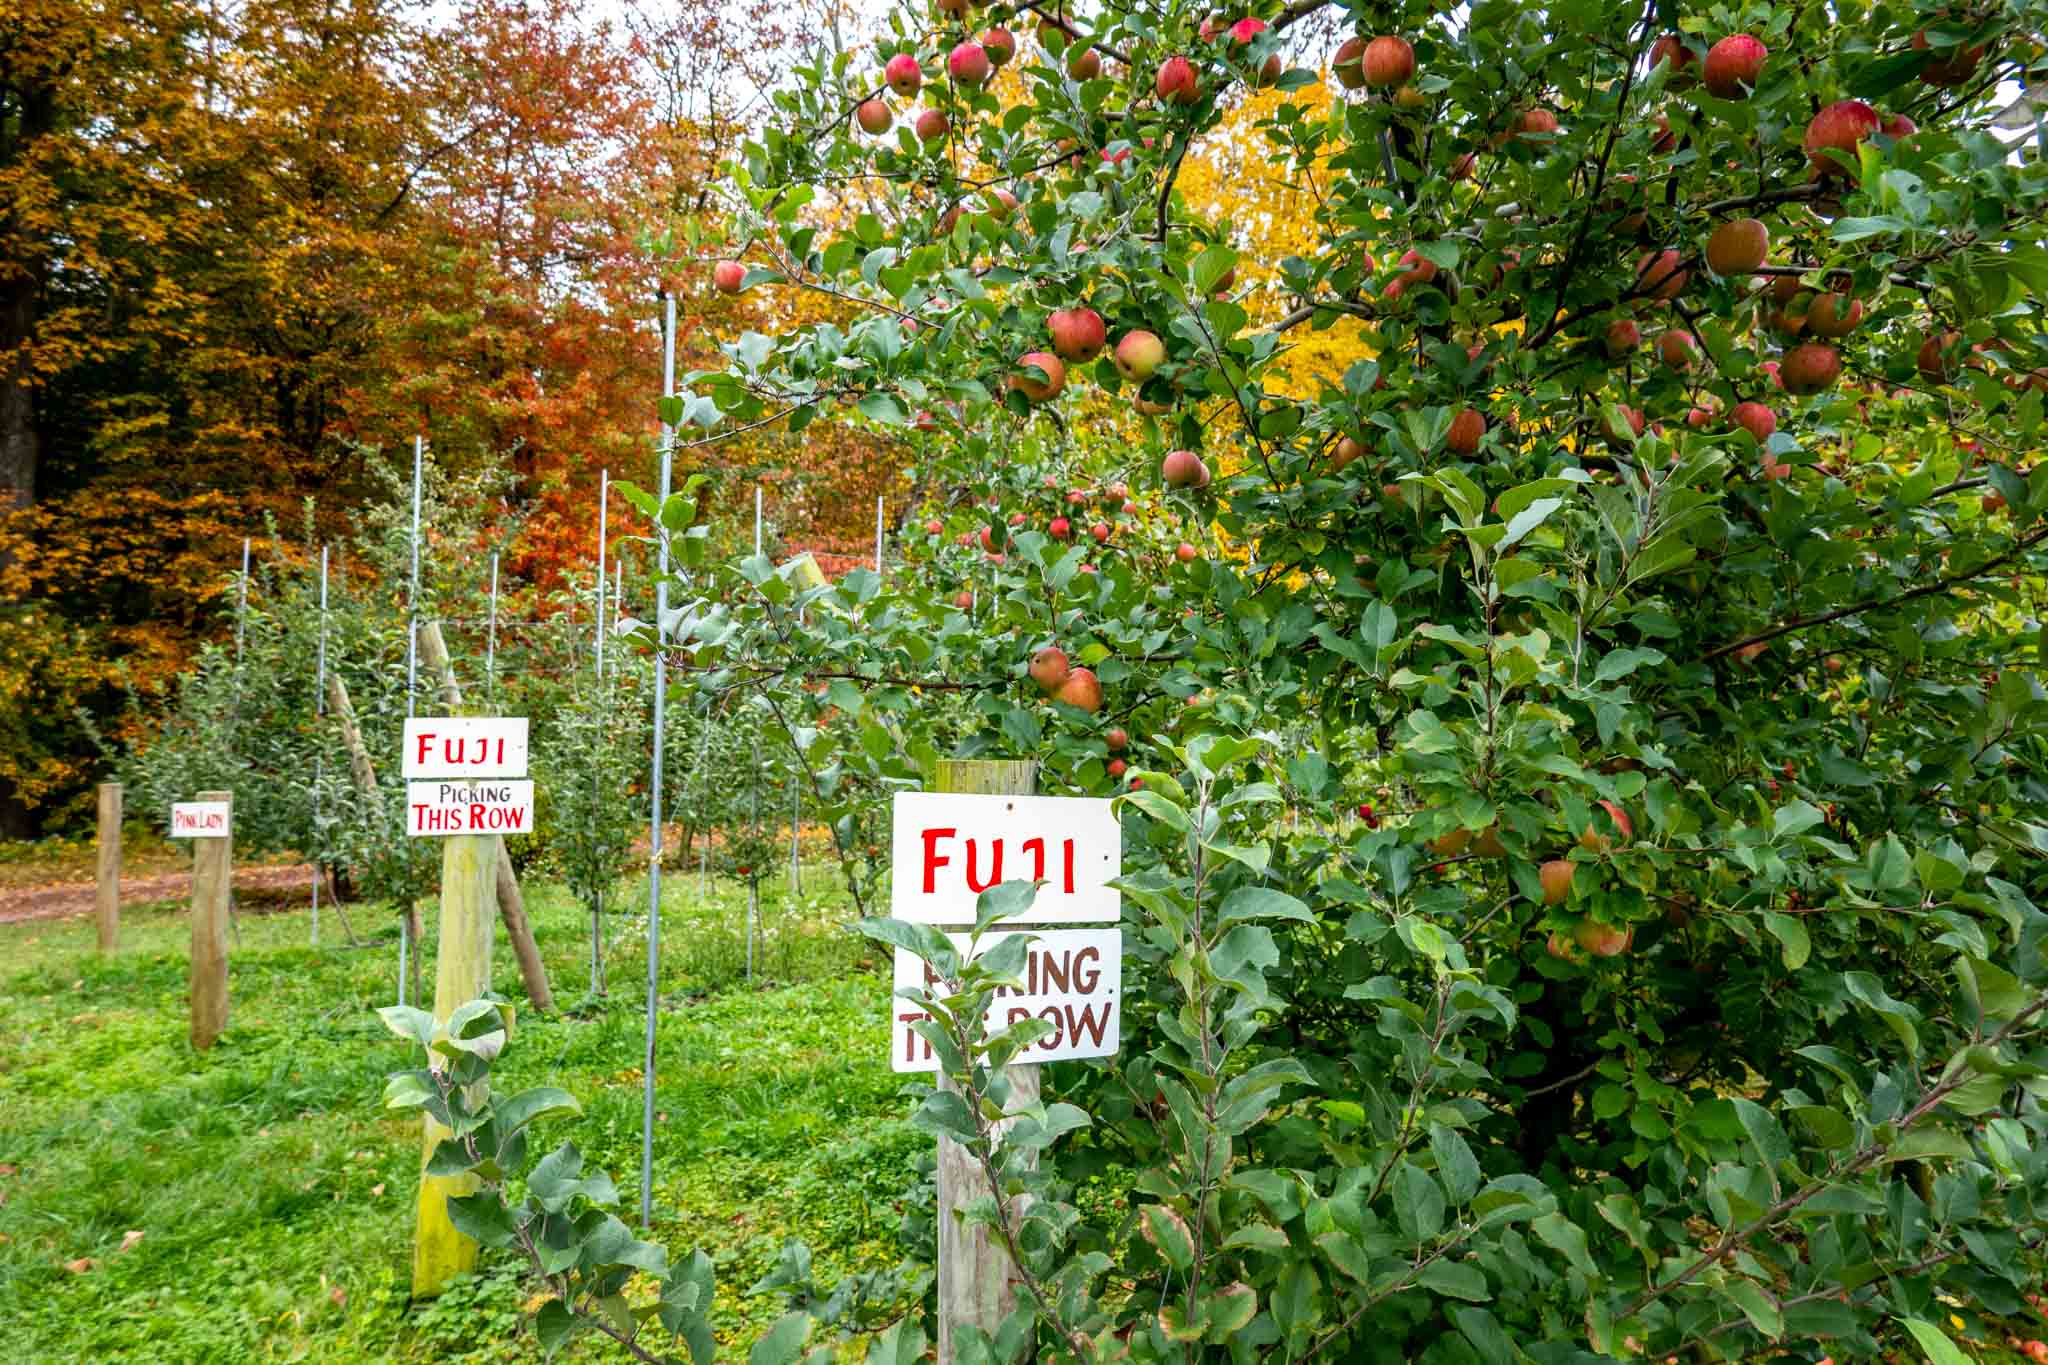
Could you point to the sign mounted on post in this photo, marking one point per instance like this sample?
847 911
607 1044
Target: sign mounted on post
200 819
1072 979
946 849
434 809
464 746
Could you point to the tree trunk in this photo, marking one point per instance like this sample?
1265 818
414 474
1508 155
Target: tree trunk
511 905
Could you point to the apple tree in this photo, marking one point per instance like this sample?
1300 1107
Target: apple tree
1584 767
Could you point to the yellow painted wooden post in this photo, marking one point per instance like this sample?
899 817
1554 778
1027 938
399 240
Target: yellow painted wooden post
977 1282
462 972
107 907
212 876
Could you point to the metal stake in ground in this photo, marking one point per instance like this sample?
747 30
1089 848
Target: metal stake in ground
491 648
319 753
412 670
242 603
668 450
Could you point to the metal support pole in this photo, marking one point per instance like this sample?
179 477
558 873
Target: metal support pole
412 672
668 442
491 647
604 492
757 518
878 533
242 603
319 752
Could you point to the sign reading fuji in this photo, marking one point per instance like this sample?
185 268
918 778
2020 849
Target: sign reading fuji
200 819
433 809
946 849
464 746
1072 979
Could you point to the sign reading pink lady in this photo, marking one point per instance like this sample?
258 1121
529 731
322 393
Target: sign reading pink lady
200 819
947 849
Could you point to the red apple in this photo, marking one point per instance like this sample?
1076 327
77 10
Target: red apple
727 276
1100 532
964 600
1535 123
1658 274
1115 767
935 527
1810 368
1182 469
932 125
1348 449
1116 738
969 65
1733 64
1388 61
1060 529
1039 390
1349 64
1955 67
1085 64
1080 689
1602 940
903 74
873 116
1000 44
1898 127
1937 357
1175 82
1672 49
1415 268
1468 428
1186 553
1556 877
1138 355
1677 350
1838 129
1756 419
1077 334
1738 247
1834 315
1049 669
1622 337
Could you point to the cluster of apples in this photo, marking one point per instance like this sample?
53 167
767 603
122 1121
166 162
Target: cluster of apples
1556 876
1058 679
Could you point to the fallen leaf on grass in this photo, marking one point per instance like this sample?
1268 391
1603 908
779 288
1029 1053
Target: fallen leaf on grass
79 1266
129 1239
337 1295
377 1190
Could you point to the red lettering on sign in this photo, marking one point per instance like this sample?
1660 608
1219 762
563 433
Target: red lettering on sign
1086 1022
975 883
421 743
932 859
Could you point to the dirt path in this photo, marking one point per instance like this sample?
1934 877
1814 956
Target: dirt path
287 884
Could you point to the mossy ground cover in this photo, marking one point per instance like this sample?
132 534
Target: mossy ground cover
273 1197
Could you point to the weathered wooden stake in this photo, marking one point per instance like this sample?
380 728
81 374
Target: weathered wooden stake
364 774
511 904
977 1282
107 908
212 875
462 972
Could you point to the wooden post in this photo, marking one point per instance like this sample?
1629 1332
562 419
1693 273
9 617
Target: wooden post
511 905
977 1282
361 771
462 972
212 874
107 908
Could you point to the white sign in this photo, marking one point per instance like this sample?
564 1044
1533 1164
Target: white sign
1073 979
464 746
433 809
200 819
947 849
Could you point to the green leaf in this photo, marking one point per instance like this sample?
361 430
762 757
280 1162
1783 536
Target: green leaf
1793 819
1792 934
1418 1203
1457 1279
483 1218
556 1326
1455 1164
1567 1238
1756 1305
1935 1343
1168 1232
782 1343
1259 902
528 1105
1483 1330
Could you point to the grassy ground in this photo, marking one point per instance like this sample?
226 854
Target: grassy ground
273 1198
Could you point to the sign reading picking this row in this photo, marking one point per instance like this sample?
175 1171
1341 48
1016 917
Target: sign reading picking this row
475 768
946 849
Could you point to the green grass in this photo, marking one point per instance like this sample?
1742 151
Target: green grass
275 1198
